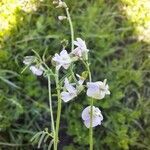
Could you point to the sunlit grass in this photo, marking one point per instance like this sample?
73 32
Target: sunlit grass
8 14
138 12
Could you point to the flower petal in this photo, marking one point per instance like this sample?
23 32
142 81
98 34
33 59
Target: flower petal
66 66
63 53
97 90
66 96
56 57
77 52
62 60
76 43
101 94
92 85
81 79
96 116
81 43
58 67
37 71
107 92
69 87
95 122
93 90
86 113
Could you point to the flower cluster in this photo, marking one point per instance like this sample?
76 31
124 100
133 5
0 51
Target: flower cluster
71 84
95 90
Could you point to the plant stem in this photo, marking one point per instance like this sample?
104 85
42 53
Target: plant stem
91 114
58 110
91 129
91 109
50 106
71 28
72 40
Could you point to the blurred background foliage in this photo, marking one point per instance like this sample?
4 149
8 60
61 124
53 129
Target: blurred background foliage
117 34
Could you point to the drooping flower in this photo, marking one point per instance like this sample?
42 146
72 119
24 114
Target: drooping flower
81 50
96 116
62 59
70 92
37 70
97 90
28 60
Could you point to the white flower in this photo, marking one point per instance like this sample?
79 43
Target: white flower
96 117
37 70
70 93
97 90
28 60
62 60
62 18
55 2
81 49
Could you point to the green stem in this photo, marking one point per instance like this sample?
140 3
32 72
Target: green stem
58 110
50 106
72 40
71 28
91 109
91 129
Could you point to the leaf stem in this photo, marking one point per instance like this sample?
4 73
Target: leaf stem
91 108
58 110
50 106
91 129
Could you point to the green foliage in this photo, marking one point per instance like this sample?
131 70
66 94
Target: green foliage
116 54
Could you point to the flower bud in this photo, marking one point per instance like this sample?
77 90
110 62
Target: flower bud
55 2
61 4
62 18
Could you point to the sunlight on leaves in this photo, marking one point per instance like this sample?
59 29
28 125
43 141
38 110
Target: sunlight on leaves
8 14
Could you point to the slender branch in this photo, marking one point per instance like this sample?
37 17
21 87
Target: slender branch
91 128
50 105
72 40
91 114
91 108
90 79
71 28
58 110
